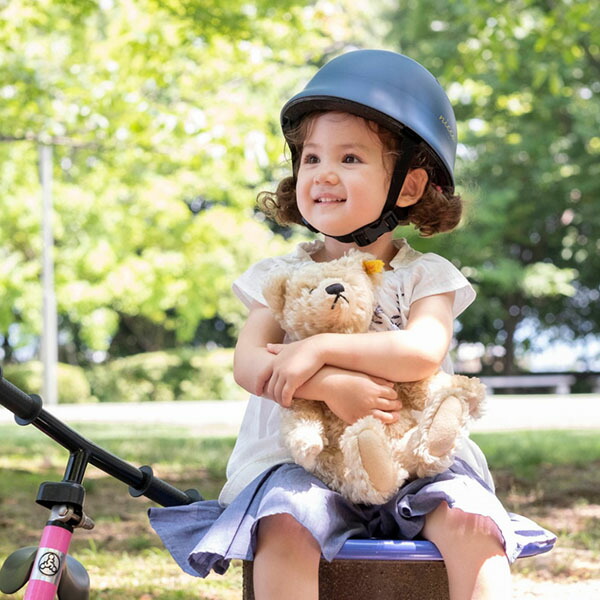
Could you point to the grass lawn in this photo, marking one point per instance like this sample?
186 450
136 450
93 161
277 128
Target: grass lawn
550 476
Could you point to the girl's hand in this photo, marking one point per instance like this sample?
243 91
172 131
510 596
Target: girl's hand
294 365
356 395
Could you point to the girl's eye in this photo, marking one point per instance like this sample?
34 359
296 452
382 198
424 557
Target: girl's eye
310 159
351 159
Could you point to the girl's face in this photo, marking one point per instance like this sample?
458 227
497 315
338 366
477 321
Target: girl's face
344 174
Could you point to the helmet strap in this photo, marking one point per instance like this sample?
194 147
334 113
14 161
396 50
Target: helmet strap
391 214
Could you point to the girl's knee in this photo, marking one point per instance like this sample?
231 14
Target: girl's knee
453 525
283 528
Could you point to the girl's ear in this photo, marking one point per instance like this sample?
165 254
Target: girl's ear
413 187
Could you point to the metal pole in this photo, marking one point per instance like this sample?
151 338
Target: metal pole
50 322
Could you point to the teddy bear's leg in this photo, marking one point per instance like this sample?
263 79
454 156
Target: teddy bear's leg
446 425
437 433
372 476
303 432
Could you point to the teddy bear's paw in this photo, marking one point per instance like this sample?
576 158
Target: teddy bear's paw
368 455
375 456
305 445
445 426
306 455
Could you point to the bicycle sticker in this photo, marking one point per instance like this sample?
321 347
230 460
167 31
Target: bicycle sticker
48 565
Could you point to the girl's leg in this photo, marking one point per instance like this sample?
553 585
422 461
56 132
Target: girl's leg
286 561
472 549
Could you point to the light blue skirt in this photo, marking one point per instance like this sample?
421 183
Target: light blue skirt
205 536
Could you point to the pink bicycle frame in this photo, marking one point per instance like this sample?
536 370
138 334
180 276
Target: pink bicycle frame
49 561
52 570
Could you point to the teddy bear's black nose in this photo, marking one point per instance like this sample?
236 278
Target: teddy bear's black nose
335 289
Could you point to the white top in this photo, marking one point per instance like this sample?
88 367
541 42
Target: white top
413 275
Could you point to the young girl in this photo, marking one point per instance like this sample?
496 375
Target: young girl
373 141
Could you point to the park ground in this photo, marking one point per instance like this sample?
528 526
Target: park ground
551 476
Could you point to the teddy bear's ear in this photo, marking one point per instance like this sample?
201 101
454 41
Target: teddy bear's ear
274 292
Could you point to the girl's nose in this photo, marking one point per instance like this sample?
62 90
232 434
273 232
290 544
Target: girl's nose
326 175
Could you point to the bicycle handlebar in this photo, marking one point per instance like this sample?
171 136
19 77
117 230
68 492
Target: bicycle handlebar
141 481
25 407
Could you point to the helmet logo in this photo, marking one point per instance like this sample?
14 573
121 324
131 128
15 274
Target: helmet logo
447 126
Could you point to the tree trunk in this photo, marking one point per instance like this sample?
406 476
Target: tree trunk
509 364
7 349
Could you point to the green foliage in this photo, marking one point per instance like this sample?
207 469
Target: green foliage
524 77
163 118
183 374
73 385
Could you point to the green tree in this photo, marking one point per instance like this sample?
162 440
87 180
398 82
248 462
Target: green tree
164 121
524 76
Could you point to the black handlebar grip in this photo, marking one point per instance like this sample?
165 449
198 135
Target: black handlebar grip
161 492
25 407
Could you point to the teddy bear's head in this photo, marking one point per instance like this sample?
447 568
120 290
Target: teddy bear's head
329 297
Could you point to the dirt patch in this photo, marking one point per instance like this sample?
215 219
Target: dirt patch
565 500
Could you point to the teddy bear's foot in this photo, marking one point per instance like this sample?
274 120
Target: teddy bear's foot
434 439
445 426
375 457
371 474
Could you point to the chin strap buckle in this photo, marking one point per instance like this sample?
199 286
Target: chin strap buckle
371 232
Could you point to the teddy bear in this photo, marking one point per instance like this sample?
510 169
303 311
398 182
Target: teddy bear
367 461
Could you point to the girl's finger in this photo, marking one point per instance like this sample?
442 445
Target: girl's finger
386 417
389 405
286 397
389 393
274 348
384 382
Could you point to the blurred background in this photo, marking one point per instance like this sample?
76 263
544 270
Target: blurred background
138 133
134 137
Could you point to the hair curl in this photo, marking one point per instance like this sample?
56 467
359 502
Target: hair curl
438 210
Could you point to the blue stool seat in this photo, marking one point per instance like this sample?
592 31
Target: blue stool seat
535 540
414 550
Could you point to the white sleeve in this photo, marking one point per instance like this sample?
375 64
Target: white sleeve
432 274
249 285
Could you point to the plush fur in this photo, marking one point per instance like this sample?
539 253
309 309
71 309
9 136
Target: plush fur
367 461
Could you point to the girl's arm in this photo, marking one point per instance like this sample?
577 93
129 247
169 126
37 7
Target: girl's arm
252 363
406 355
350 395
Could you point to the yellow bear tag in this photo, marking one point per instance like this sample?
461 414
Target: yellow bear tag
373 266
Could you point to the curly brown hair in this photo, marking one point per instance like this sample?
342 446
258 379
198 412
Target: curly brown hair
439 209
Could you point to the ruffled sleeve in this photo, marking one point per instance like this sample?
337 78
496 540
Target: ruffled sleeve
249 285
433 274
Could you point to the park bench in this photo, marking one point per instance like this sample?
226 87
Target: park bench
371 569
558 383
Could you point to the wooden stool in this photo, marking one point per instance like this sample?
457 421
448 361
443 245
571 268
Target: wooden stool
387 570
